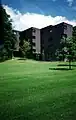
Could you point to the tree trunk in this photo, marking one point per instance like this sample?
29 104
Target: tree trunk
69 65
12 54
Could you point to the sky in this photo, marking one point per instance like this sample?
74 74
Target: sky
40 13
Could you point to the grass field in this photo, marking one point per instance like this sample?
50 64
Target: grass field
31 90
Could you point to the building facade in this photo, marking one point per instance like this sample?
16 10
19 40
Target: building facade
51 37
44 42
33 36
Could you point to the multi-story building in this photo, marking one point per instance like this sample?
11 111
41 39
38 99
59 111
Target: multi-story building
33 36
51 37
44 42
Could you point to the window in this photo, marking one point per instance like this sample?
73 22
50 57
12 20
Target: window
33 44
33 37
34 50
64 35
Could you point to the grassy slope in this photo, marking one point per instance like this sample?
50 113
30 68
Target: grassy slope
30 91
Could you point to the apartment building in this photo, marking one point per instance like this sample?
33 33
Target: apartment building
33 36
51 37
44 42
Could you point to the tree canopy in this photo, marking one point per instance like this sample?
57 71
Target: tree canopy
67 50
7 37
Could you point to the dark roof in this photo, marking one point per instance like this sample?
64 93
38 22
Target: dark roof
46 27
63 23
29 29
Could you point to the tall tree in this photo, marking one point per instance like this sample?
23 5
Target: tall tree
7 35
67 50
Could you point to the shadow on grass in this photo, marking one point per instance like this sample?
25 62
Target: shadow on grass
65 69
66 65
22 59
1 61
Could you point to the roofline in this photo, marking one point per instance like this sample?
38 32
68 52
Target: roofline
47 26
30 28
44 27
63 23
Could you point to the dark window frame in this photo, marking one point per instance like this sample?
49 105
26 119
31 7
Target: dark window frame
33 43
64 35
33 37
34 50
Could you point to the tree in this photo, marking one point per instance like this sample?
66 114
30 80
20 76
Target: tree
67 50
3 54
7 35
24 48
74 34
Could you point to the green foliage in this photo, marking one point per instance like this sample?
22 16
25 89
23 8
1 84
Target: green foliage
25 48
3 54
74 34
67 50
7 35
74 40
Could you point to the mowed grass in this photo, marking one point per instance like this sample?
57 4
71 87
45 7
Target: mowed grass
30 90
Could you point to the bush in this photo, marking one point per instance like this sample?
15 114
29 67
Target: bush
3 54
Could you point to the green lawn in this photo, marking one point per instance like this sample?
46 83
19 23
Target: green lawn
31 90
